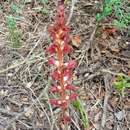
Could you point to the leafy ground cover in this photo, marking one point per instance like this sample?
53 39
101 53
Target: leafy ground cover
101 46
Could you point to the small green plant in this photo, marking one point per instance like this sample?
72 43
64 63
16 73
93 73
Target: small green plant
79 107
121 16
121 83
15 8
14 34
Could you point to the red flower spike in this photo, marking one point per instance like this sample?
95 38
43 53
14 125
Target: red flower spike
60 36
71 64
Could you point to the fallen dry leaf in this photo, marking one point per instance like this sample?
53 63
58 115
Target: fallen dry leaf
76 40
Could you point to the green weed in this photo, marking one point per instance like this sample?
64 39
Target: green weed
15 8
121 83
121 16
79 107
14 34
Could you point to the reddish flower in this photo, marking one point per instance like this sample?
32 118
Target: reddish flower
71 87
66 119
66 39
73 97
64 104
53 31
52 61
67 75
71 64
56 75
59 103
67 48
52 48
54 102
61 32
59 89
56 89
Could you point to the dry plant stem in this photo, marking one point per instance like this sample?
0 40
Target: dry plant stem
71 11
107 95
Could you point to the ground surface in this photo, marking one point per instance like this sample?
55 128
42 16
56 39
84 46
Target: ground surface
24 73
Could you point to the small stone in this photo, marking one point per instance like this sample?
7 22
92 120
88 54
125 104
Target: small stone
120 115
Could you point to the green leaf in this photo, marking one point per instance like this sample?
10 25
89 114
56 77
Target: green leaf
79 107
128 85
107 10
119 85
128 17
99 17
118 13
15 8
116 2
11 22
107 1
14 34
119 24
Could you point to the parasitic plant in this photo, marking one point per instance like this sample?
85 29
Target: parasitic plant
59 33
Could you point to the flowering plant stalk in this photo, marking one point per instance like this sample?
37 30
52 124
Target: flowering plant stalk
59 33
